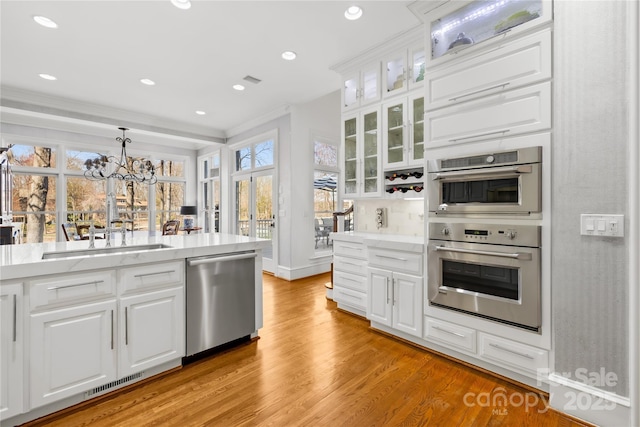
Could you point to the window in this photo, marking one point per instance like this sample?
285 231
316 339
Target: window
254 156
34 204
325 189
210 191
169 191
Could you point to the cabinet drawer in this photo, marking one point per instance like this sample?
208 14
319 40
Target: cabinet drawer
512 65
349 249
350 297
396 261
151 276
350 265
351 281
492 117
77 288
450 335
519 356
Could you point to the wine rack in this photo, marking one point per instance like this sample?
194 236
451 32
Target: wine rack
404 183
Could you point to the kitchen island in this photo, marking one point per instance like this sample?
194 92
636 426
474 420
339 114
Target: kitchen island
83 322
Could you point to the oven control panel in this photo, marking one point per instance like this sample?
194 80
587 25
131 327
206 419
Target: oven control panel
516 235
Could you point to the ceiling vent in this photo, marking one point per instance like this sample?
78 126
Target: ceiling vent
252 79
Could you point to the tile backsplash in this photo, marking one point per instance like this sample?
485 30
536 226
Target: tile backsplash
405 217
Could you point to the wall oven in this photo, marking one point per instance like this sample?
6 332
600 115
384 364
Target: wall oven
488 270
506 182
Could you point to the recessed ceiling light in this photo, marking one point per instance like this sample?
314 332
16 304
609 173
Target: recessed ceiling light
353 13
181 4
45 22
238 87
48 77
200 112
147 82
289 55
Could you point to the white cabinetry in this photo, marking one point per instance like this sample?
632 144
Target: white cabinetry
397 77
492 117
11 351
73 336
519 357
403 132
151 317
395 297
90 329
461 28
350 276
361 87
360 152
510 66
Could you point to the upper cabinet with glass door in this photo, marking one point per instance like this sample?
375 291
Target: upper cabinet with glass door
361 154
455 29
361 87
397 77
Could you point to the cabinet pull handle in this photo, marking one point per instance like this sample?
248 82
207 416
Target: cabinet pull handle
479 135
499 347
137 276
502 85
15 317
391 257
55 288
393 291
351 263
352 247
517 255
126 326
387 285
111 329
446 331
350 280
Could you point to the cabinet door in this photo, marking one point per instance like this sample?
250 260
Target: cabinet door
407 303
370 83
395 73
417 63
379 296
493 117
72 351
395 133
350 90
349 153
416 139
11 351
152 330
370 136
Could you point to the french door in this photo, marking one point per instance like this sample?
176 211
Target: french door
255 211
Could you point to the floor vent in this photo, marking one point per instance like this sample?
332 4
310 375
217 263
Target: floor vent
252 79
113 384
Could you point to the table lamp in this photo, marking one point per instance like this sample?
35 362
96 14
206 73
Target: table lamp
188 212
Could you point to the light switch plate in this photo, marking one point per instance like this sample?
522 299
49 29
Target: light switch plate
602 225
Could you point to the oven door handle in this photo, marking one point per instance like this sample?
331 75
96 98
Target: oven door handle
483 173
517 255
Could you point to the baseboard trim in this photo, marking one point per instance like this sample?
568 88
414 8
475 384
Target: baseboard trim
588 403
302 272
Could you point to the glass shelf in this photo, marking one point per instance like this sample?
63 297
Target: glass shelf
479 21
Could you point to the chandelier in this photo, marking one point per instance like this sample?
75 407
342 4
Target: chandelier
124 169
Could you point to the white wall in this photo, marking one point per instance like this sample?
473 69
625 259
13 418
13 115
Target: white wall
405 217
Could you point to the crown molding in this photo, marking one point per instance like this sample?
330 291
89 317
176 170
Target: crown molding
39 103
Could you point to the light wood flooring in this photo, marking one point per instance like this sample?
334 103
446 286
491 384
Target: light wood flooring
315 366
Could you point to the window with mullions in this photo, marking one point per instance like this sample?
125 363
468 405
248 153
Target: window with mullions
325 189
34 206
254 156
210 192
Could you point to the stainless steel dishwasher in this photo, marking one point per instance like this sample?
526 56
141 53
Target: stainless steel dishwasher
220 300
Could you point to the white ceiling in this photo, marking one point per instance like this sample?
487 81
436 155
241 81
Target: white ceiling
102 49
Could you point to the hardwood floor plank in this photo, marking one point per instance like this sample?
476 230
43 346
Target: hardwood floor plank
314 366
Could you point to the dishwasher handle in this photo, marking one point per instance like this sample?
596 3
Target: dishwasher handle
211 260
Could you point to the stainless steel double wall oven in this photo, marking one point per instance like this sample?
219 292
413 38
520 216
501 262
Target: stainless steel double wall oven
482 258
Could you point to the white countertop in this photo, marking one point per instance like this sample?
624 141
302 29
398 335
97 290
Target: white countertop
25 260
388 241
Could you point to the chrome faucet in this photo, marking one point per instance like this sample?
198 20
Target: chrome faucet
92 236
108 229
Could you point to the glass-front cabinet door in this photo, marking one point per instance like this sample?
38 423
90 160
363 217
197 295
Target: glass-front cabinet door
453 27
417 130
361 87
395 118
371 150
418 64
395 75
350 156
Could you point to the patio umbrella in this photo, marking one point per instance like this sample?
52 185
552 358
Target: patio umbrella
327 183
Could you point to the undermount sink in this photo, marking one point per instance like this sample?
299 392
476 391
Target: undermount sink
99 251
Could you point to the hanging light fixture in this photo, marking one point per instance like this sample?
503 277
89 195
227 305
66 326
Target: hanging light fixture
124 169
